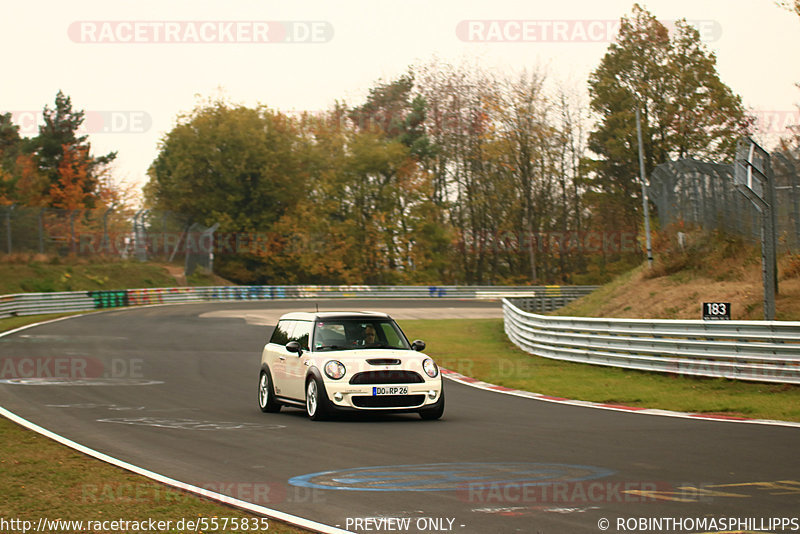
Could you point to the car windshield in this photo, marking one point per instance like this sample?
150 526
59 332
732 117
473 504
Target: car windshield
355 334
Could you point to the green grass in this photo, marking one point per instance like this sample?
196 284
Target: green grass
22 274
15 322
42 479
480 349
43 277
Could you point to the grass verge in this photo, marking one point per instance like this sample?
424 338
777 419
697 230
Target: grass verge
479 348
23 274
43 479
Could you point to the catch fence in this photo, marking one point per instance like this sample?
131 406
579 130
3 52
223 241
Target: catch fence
705 194
142 235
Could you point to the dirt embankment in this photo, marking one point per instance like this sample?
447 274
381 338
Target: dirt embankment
703 268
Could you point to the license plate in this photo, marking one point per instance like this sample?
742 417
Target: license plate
390 390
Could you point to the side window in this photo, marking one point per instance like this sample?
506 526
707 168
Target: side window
302 332
392 338
282 332
329 336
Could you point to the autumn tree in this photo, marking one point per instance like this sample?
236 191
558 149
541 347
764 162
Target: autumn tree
505 170
232 165
457 126
30 187
791 5
9 149
389 150
70 191
59 135
21 181
687 111
10 142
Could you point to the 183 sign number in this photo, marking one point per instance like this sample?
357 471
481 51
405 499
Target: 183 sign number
717 311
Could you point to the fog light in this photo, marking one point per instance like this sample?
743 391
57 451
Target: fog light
432 394
338 397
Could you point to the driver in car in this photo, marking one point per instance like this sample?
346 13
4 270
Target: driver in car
370 337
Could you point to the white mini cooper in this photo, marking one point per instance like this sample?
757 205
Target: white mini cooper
347 361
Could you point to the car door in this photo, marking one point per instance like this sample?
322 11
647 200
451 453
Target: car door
295 368
278 356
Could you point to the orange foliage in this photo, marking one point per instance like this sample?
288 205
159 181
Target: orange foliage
31 187
5 179
70 190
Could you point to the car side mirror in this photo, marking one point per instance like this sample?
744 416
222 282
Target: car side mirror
418 345
294 346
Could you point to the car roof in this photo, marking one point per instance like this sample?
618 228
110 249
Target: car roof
313 316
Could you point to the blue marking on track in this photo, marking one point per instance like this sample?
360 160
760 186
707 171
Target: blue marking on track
447 477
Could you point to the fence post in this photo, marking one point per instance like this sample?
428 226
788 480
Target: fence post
9 209
139 235
106 244
755 180
645 202
41 230
796 207
72 241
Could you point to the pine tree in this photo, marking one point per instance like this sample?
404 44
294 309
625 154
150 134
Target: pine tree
60 130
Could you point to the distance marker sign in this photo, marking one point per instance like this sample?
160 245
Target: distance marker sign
716 311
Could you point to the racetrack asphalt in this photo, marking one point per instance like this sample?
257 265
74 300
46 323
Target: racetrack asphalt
173 390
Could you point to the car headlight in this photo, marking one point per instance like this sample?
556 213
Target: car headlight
430 367
334 369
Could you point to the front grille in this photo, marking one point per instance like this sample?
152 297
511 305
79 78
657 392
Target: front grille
389 401
386 377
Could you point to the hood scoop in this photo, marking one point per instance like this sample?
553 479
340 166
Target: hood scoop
384 361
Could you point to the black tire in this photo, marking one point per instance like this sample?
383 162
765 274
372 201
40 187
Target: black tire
266 393
434 412
316 400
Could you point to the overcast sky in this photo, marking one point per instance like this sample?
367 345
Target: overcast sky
133 66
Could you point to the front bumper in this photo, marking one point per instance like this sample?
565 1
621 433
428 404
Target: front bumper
344 396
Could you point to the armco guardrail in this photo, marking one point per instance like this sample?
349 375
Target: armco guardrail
767 351
547 297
